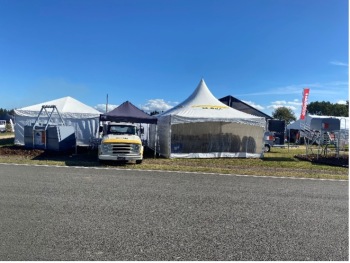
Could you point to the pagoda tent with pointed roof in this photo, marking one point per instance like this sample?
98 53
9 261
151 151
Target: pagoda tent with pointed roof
82 117
204 127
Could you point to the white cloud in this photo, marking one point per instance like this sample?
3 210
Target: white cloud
295 102
102 107
157 105
276 106
279 102
342 102
256 106
338 63
293 105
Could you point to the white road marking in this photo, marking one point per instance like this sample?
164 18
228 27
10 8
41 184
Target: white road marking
166 171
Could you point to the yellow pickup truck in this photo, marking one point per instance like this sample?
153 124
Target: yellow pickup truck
120 142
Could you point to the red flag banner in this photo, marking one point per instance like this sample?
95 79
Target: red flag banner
304 105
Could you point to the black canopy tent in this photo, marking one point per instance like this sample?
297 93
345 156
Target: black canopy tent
127 112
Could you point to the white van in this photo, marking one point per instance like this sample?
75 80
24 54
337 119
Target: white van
2 125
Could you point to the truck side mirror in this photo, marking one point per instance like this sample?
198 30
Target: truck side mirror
100 129
142 130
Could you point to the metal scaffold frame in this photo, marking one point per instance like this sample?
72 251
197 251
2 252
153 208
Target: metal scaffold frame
49 115
321 142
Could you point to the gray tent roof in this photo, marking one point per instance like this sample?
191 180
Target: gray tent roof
242 106
127 112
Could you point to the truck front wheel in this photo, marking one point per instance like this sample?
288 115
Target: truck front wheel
138 161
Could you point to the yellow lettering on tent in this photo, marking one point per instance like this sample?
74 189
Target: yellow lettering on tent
211 107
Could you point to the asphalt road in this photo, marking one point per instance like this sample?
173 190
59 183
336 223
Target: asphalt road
52 213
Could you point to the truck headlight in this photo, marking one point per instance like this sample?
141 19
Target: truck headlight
135 148
105 147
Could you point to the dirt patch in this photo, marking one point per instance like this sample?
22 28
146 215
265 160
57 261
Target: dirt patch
20 151
333 161
81 157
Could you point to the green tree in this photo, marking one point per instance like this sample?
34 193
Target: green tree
5 114
328 109
284 113
154 113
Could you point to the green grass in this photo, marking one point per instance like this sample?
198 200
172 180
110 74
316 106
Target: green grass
279 162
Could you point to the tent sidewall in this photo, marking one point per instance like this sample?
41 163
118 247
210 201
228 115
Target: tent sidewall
253 133
86 128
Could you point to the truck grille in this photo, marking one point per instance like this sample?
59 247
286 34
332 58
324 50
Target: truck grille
121 148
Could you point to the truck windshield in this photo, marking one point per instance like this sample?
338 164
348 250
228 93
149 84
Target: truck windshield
121 129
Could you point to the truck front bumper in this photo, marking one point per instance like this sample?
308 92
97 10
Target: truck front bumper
124 157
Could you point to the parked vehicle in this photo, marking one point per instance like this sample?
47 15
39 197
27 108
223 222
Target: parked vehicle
2 126
120 142
269 140
275 134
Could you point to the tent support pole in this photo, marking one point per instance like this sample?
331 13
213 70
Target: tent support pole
155 142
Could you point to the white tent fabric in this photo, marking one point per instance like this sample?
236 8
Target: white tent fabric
83 118
204 127
297 125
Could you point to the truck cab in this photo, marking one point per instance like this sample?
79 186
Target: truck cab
120 142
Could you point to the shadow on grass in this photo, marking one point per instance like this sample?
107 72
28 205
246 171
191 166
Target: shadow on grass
322 160
84 157
6 141
70 158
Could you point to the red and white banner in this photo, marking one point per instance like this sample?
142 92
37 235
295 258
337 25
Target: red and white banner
304 105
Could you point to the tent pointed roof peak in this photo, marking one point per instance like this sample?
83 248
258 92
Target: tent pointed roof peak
202 88
202 91
201 96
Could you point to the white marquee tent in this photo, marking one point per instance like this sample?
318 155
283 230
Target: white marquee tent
297 125
83 118
203 127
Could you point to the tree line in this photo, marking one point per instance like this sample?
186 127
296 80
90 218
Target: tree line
5 114
315 108
329 109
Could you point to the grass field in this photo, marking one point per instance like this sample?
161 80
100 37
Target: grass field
278 162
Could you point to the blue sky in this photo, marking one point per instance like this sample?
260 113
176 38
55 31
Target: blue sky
154 52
